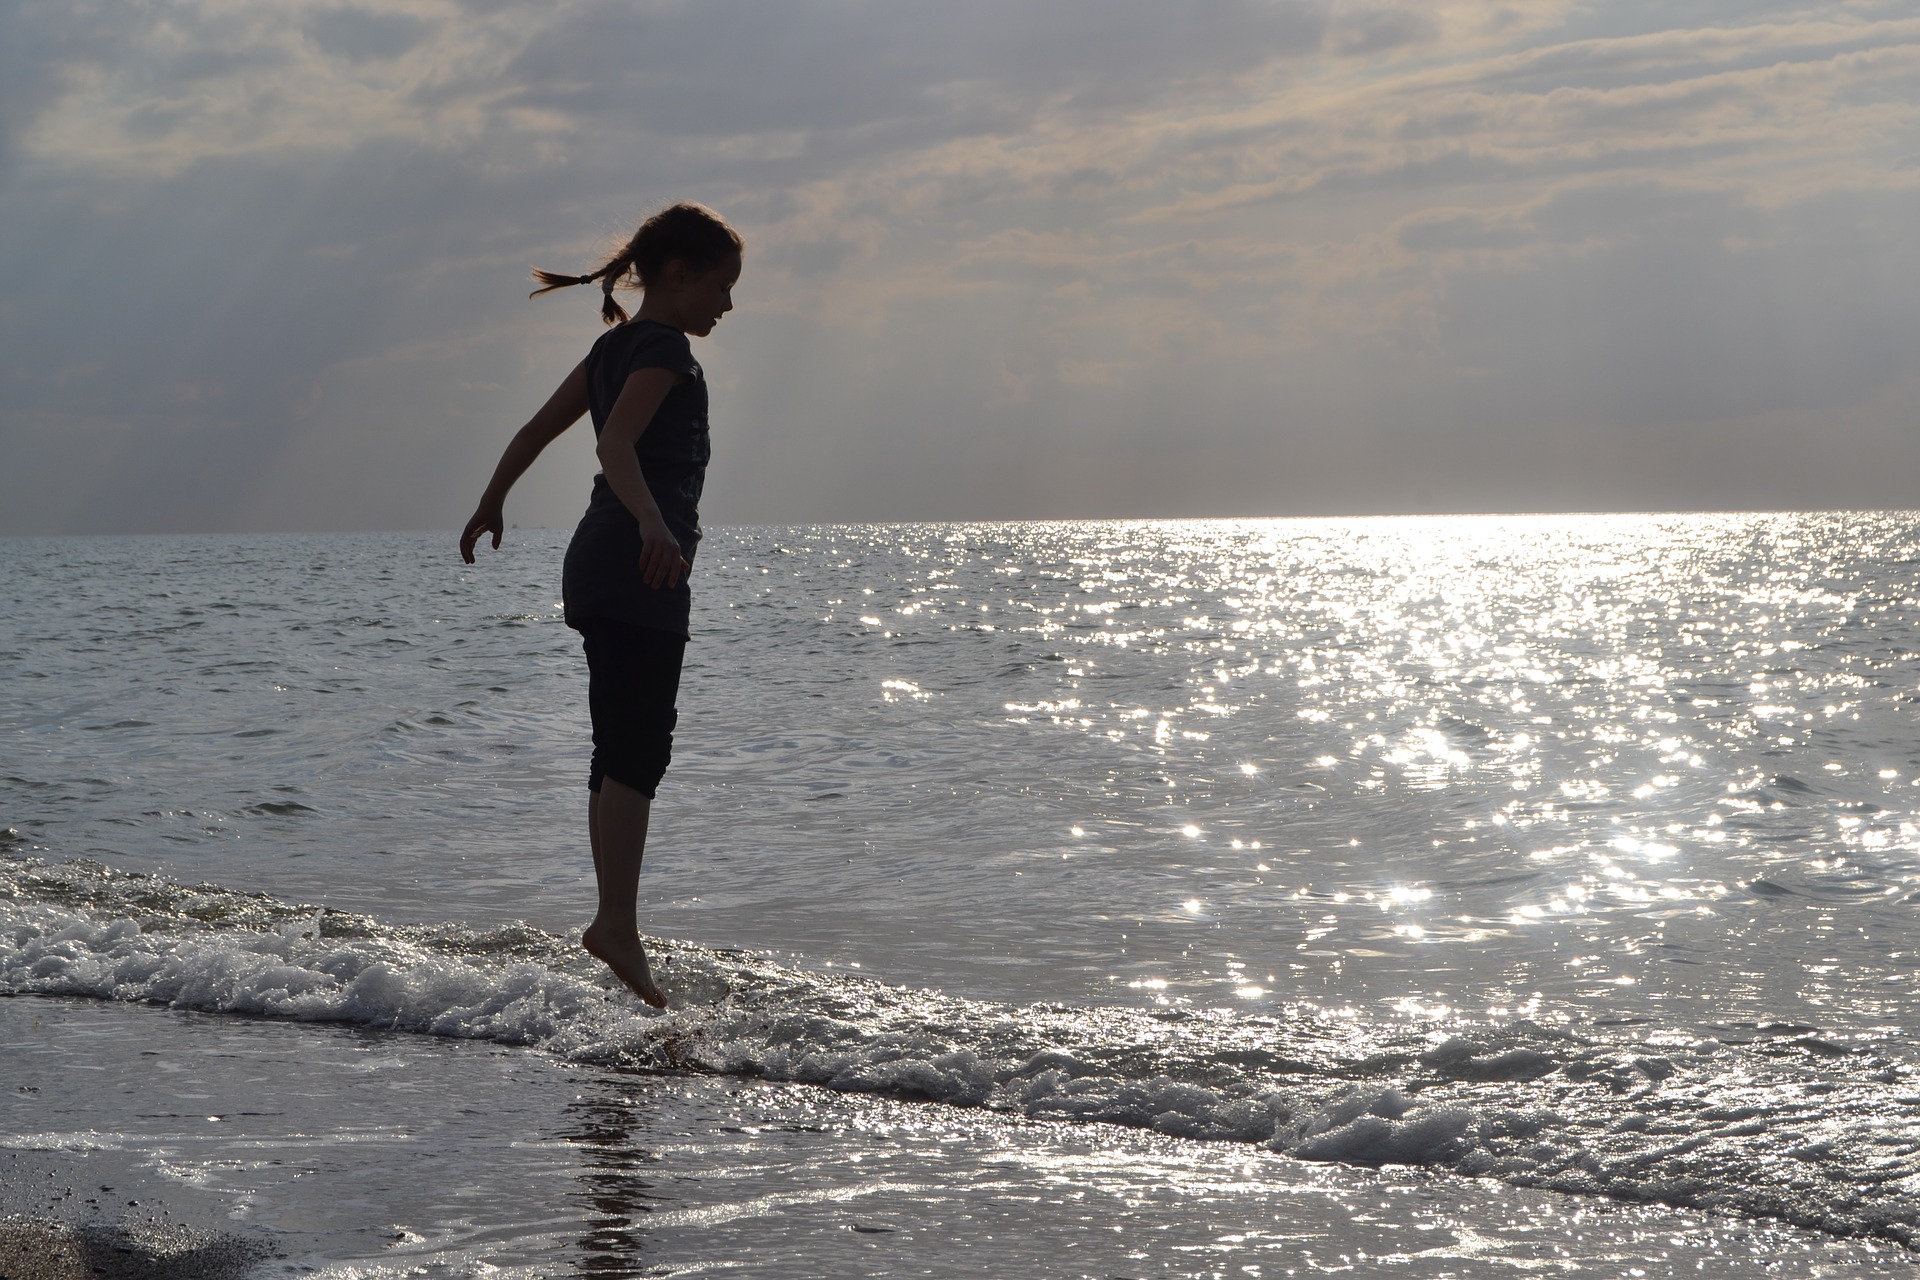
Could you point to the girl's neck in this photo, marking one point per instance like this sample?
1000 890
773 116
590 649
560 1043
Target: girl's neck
659 310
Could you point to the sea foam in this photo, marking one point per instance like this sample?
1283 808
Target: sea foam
1775 1121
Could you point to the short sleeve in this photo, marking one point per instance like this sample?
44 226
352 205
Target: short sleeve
624 350
659 347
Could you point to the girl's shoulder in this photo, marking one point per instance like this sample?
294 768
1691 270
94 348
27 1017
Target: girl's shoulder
638 344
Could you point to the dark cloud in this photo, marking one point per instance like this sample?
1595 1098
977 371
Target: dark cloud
245 285
1695 308
40 41
1003 259
1465 231
807 258
734 66
1378 30
1693 218
359 34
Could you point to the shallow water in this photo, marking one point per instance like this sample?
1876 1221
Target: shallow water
356 1153
1576 852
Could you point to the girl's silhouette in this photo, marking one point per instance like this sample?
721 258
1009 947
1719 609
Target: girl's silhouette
625 579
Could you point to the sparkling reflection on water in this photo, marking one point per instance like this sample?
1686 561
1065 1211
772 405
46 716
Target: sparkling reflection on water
1611 768
1652 767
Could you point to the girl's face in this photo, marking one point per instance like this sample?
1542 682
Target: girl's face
702 297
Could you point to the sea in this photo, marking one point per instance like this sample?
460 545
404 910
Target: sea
1387 897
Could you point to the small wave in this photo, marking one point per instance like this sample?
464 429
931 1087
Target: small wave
1778 1121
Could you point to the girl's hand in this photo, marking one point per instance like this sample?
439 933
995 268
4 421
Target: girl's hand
485 519
661 562
566 406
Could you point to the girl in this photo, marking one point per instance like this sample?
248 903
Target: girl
624 582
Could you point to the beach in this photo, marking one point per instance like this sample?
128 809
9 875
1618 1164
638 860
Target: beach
1462 896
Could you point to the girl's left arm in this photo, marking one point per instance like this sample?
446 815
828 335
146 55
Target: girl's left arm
566 406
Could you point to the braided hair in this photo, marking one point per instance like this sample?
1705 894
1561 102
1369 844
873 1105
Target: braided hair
688 232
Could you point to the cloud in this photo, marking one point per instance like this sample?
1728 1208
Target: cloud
1447 229
200 78
1714 318
266 263
40 41
358 34
1372 31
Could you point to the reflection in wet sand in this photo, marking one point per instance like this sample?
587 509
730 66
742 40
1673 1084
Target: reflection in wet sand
614 1196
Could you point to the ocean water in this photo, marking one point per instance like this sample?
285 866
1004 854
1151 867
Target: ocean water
1424 897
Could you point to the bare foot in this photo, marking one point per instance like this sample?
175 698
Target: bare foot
628 960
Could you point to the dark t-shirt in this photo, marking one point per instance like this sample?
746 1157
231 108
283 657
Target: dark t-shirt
601 580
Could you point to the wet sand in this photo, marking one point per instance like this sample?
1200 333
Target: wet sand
92 1216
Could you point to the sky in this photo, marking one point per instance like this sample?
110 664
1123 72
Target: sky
264 263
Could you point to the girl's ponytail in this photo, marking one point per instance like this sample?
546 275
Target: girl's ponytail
689 233
554 280
610 311
609 276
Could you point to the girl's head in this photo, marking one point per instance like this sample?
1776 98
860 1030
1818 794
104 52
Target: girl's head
681 246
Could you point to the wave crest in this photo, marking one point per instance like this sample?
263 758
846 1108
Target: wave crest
1770 1121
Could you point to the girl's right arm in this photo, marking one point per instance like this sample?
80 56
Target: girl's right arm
566 406
662 564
